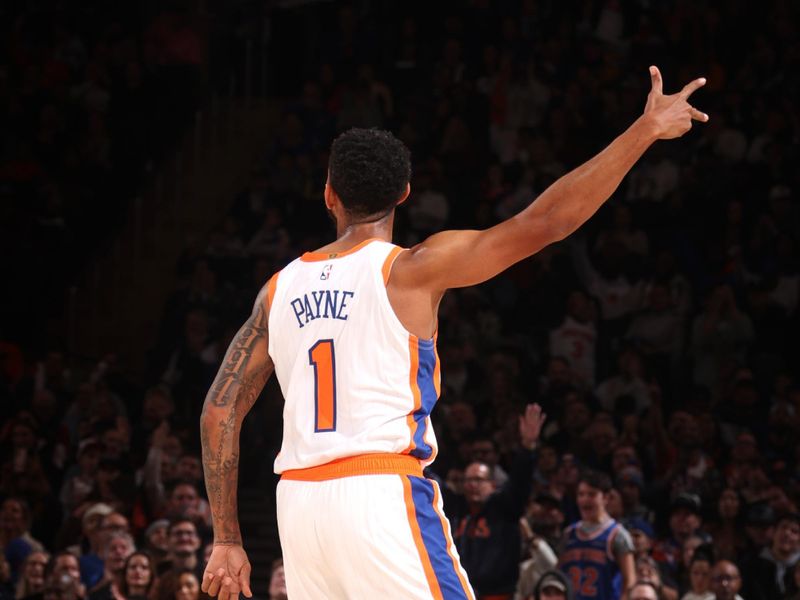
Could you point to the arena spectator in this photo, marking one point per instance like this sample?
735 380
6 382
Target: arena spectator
699 579
15 521
486 520
118 547
156 540
181 584
94 537
647 571
277 581
31 577
770 574
597 552
184 543
726 531
66 568
644 590
552 586
576 338
684 522
139 576
726 581
540 557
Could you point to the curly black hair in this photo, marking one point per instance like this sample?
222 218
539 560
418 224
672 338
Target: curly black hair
369 170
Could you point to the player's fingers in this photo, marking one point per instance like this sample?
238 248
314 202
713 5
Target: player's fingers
656 84
207 579
244 580
225 592
698 115
231 586
213 586
692 86
216 582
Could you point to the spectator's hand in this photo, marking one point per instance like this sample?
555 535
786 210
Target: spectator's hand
530 425
227 573
672 115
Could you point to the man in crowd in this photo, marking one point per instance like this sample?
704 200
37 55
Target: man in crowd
183 546
597 552
684 522
767 575
486 518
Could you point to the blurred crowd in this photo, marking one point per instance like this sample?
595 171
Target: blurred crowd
659 339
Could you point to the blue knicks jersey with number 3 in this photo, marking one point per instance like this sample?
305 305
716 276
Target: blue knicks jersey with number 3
590 563
354 380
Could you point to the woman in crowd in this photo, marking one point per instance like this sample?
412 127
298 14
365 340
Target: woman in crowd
699 578
139 576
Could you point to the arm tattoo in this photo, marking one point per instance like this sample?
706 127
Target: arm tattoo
237 386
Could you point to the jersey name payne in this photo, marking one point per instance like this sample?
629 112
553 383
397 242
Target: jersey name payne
322 304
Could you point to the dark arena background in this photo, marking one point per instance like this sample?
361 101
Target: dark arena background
160 160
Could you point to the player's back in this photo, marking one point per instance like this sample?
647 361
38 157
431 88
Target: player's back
354 380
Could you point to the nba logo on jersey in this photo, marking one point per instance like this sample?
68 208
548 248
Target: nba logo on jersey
326 272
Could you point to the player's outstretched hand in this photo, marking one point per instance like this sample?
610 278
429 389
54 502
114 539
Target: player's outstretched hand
227 573
672 115
530 425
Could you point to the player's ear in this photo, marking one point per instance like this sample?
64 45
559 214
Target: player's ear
330 196
404 197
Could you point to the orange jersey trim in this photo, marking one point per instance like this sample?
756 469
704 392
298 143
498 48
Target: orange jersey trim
363 464
413 351
318 256
388 263
424 558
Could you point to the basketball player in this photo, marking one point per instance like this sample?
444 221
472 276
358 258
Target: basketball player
597 553
350 331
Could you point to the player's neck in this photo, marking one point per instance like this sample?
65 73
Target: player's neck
350 233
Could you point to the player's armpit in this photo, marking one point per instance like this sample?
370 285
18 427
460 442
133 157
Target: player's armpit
240 379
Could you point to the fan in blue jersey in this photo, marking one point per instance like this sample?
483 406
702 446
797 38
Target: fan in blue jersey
597 552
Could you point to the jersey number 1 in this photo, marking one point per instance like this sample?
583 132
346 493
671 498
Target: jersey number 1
321 357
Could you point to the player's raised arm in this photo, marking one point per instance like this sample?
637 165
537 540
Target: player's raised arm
240 379
461 258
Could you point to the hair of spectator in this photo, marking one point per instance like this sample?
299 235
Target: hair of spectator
120 535
596 479
369 170
650 584
178 520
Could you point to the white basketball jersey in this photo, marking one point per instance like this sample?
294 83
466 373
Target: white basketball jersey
354 380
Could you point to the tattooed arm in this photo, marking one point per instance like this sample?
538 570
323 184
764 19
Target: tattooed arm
240 379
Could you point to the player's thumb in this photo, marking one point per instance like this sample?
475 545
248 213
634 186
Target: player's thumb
244 580
657 85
